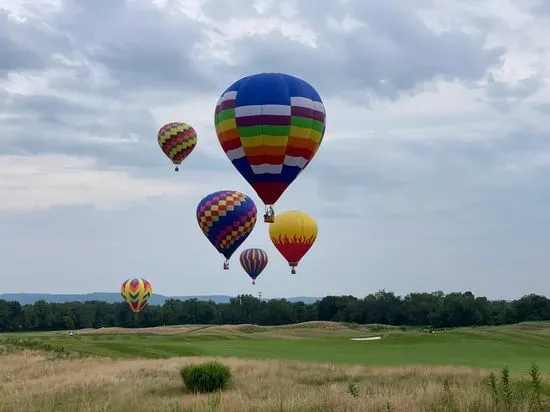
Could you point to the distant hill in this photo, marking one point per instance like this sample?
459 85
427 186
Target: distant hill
29 298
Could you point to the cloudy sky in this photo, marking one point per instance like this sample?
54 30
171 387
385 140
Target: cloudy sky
433 174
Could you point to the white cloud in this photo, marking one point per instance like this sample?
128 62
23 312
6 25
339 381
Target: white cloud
41 182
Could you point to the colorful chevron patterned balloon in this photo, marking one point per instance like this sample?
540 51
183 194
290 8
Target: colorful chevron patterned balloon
136 292
177 140
270 125
253 261
226 218
293 234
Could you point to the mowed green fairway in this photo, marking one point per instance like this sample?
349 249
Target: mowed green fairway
488 347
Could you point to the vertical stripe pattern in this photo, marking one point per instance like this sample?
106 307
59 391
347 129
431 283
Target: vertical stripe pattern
253 261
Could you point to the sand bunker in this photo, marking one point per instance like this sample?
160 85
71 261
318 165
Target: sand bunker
370 338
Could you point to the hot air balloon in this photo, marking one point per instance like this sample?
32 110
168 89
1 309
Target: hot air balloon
136 292
293 233
226 218
270 125
253 262
177 140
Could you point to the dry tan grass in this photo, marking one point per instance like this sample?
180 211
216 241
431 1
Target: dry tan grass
317 324
161 330
158 330
33 382
306 327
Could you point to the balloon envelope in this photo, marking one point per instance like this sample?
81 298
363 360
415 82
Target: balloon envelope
177 140
226 218
253 261
136 292
270 125
293 233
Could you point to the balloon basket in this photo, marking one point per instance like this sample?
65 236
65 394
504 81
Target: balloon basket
177 169
226 265
269 216
293 270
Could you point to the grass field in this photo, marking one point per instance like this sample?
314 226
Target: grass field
306 367
491 347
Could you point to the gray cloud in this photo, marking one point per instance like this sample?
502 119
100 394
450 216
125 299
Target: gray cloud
543 108
45 123
338 212
112 77
15 53
143 56
391 52
504 97
540 6
116 138
39 103
407 214
144 49
434 180
141 46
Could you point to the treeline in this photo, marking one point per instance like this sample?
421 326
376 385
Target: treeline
416 309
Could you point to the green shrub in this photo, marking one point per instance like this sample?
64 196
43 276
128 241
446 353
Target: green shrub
206 377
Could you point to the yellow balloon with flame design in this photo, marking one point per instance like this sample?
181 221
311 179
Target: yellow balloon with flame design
293 233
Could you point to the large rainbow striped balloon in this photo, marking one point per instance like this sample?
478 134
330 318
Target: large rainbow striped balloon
226 218
177 140
136 292
253 261
270 125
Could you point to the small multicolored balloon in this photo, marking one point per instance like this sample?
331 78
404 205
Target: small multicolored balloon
226 218
177 140
270 125
253 261
293 233
136 292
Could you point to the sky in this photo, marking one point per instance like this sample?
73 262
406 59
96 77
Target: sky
433 173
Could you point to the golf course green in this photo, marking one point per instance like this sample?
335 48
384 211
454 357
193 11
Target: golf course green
485 347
